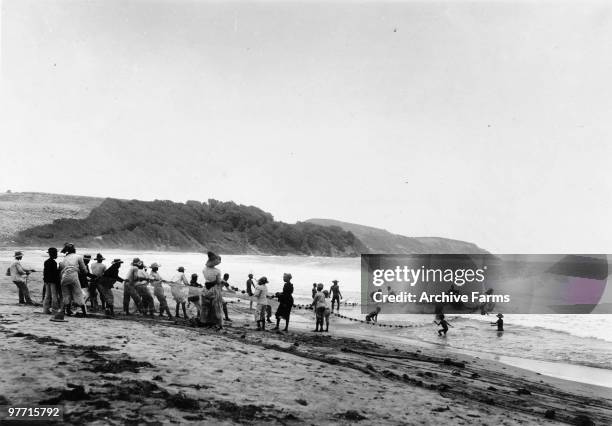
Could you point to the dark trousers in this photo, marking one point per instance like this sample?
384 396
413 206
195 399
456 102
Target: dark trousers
24 293
106 293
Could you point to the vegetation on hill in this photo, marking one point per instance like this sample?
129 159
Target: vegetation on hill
165 225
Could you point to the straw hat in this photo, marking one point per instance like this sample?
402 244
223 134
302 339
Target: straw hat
500 316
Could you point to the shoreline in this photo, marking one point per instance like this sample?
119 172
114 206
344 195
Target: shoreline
599 377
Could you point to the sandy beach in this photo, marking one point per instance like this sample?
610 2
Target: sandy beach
140 370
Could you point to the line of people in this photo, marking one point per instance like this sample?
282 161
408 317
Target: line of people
66 282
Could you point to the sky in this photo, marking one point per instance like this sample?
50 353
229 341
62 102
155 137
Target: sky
488 122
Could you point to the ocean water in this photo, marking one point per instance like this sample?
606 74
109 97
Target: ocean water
572 339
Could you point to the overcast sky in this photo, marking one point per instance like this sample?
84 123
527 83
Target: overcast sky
488 121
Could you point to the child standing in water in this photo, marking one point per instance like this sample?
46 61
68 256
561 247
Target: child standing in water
499 323
444 324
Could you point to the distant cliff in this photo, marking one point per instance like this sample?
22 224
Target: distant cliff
225 227
378 240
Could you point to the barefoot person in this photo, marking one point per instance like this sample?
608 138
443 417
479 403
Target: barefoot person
336 295
285 302
261 298
158 290
180 291
195 298
327 312
51 278
71 268
226 287
19 275
444 324
318 303
142 287
106 283
129 288
249 290
97 269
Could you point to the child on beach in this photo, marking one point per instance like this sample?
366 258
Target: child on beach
444 324
260 296
327 311
499 323
318 303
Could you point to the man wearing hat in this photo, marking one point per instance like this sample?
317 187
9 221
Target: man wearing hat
71 268
19 275
97 269
51 279
129 287
336 295
106 283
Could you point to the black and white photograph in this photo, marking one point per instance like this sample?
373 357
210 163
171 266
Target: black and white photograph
263 212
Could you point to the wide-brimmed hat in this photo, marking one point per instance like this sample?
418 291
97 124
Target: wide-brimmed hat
18 254
262 280
180 269
500 315
335 281
69 248
136 261
87 256
100 257
51 250
213 259
117 261
155 265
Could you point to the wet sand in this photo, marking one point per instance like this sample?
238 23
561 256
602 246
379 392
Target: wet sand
136 370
